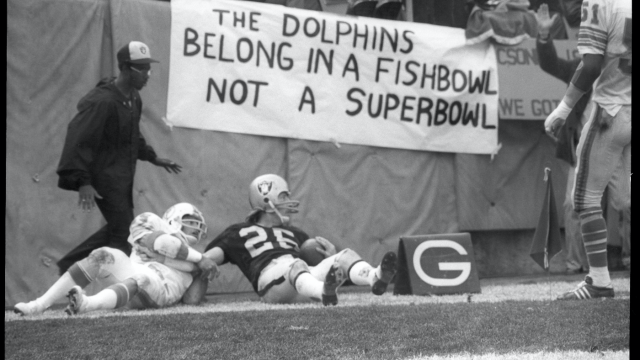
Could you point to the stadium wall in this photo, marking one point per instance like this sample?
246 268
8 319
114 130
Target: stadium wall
360 197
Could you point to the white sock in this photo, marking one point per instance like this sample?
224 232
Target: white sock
57 291
362 273
105 299
309 286
600 276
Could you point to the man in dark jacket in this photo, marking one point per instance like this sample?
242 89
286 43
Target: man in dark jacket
102 146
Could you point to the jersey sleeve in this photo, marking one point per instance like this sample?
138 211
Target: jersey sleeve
594 34
221 241
148 230
145 224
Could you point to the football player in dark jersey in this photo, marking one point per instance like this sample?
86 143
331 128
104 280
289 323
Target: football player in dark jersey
267 250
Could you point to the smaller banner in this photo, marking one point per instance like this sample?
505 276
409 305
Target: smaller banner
526 91
436 265
261 69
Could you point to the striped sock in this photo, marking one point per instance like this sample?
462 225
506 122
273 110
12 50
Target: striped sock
594 234
113 297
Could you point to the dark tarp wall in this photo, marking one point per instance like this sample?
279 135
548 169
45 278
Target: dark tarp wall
504 194
360 197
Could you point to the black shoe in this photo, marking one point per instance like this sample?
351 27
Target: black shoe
388 268
335 277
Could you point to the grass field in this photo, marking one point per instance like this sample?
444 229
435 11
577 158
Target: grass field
508 320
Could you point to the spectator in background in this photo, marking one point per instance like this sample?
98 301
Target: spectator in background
504 22
101 148
452 13
381 9
572 10
557 30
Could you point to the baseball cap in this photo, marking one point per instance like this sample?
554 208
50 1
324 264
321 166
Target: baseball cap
135 52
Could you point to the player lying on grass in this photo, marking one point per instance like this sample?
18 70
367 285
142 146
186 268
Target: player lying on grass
136 282
267 250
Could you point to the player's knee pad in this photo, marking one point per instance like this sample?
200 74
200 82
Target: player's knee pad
346 259
102 256
87 269
106 259
297 267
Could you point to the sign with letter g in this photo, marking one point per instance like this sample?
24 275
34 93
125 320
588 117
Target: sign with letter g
436 264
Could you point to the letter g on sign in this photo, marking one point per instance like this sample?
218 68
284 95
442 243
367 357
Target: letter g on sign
465 267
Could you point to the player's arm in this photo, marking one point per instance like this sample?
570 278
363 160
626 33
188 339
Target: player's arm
587 72
181 265
147 255
583 79
326 248
198 288
170 246
173 248
216 254
196 291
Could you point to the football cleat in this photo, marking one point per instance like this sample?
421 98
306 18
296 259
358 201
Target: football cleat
335 277
77 303
388 269
586 290
30 308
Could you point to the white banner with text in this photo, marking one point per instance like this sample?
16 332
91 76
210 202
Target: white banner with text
261 69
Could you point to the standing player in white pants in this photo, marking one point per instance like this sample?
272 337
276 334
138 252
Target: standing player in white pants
128 280
604 150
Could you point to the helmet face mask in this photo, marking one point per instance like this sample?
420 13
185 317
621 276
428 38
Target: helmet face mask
187 221
270 193
193 227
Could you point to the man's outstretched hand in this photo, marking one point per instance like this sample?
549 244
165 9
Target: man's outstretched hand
167 164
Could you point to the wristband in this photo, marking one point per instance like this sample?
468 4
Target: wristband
193 256
563 110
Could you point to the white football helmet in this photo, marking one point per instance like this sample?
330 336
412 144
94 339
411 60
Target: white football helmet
263 196
175 216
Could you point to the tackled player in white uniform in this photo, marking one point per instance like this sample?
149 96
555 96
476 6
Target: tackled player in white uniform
134 281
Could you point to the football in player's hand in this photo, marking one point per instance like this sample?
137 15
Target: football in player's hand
309 254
